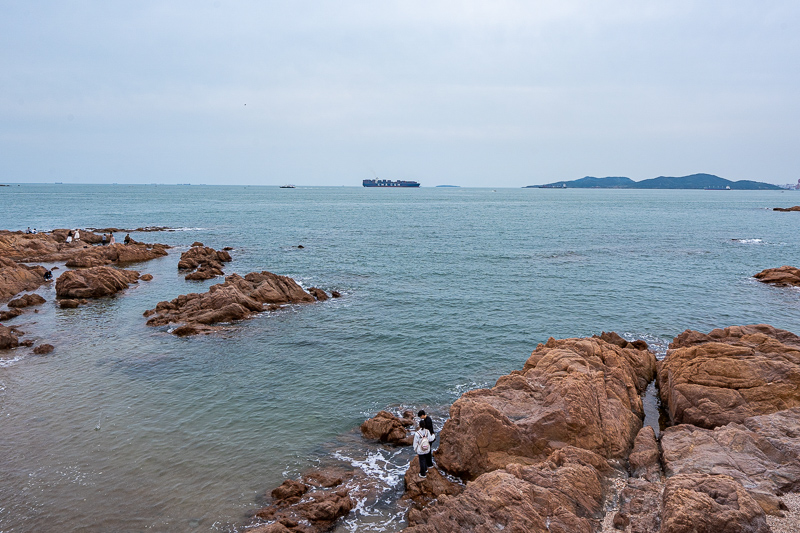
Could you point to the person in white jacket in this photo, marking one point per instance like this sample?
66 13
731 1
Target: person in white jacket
423 440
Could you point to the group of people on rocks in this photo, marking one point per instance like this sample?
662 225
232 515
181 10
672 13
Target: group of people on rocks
31 231
423 443
73 236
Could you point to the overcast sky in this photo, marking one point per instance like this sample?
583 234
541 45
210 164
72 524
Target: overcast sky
493 93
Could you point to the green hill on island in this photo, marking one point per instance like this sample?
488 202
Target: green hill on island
695 181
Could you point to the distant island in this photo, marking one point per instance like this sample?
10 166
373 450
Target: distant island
448 185
695 181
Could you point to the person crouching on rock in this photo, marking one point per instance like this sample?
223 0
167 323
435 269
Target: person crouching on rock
422 445
127 239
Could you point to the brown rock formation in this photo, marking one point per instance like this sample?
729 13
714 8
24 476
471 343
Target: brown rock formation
640 506
16 278
146 277
68 303
203 262
51 247
579 392
314 512
43 349
236 299
542 497
427 489
386 427
782 276
787 209
115 253
94 282
730 374
8 338
645 459
763 453
319 294
27 301
8 315
703 503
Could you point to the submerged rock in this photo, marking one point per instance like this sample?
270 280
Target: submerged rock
782 276
94 282
787 209
730 374
8 315
43 349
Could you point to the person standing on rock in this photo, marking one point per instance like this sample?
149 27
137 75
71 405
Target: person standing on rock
423 440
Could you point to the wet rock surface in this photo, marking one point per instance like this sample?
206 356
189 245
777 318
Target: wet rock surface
785 276
787 209
43 349
730 374
8 315
26 300
579 392
16 278
9 338
387 427
94 282
235 299
300 508
203 262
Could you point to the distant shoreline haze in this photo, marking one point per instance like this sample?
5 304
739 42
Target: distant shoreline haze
694 181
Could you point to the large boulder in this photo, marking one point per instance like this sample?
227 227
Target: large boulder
730 374
580 392
16 278
236 299
94 282
704 503
645 459
8 338
387 427
782 276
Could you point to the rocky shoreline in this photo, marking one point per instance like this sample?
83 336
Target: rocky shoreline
560 444
95 272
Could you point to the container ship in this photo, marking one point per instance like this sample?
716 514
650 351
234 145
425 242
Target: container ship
390 183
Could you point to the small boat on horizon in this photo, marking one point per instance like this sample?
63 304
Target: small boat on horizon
287 186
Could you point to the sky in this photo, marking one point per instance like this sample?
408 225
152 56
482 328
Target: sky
493 93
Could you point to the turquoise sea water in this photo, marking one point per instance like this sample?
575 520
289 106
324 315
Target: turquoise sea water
127 428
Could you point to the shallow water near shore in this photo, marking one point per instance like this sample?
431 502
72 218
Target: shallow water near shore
128 428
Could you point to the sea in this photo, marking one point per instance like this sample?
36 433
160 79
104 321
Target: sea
125 427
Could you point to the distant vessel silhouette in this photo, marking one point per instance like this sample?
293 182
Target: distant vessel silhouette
390 183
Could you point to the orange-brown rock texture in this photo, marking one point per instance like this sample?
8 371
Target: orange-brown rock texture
387 427
787 209
730 374
16 278
52 247
784 276
203 262
578 392
705 503
94 282
238 298
548 496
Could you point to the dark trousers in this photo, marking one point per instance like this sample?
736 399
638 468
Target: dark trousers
425 462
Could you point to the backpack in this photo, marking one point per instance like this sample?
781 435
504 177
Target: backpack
424 445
